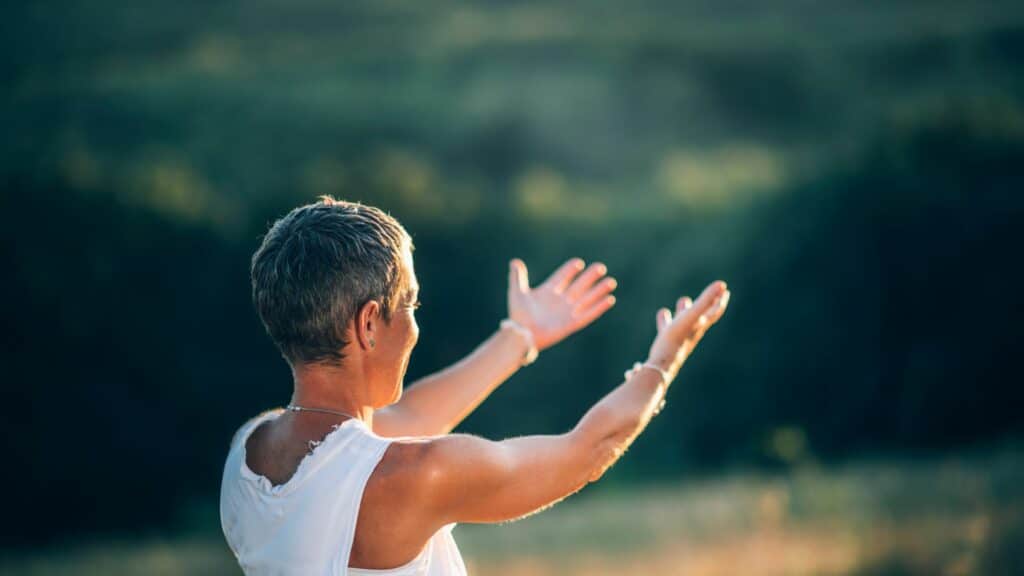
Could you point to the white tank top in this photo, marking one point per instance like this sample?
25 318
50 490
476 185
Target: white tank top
306 525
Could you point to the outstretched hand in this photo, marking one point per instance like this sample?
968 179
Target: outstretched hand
679 335
566 302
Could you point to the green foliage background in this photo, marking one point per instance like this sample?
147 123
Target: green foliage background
853 170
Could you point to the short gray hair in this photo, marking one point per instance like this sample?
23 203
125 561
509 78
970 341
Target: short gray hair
315 269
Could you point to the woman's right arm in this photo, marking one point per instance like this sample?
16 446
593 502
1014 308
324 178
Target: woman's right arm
464 478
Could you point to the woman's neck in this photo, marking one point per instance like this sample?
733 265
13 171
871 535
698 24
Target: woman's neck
337 388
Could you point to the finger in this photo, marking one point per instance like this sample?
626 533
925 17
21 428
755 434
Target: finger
590 314
718 309
663 318
683 304
565 273
518 279
603 288
584 281
709 318
703 303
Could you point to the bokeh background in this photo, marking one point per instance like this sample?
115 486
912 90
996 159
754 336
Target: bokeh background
853 169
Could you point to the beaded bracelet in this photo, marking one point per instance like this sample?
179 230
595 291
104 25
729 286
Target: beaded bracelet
531 351
665 379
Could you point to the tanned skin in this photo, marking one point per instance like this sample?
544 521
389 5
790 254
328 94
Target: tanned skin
422 484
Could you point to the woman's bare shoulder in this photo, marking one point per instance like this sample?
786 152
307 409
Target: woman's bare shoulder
396 516
273 412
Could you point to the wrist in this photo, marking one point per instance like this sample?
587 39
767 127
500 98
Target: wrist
666 375
666 379
526 336
669 366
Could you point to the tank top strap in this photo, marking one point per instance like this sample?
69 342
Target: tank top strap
357 453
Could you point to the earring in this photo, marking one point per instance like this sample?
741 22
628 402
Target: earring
372 343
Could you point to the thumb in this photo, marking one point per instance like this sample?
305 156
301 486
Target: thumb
518 281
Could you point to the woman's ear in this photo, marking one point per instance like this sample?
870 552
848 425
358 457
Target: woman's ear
367 322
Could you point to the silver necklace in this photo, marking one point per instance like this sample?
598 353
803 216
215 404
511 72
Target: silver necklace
295 408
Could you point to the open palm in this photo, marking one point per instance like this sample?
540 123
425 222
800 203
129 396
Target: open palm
566 302
679 335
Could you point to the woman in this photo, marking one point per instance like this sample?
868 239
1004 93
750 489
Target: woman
353 477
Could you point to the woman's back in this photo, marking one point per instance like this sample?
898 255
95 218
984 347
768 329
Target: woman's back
307 524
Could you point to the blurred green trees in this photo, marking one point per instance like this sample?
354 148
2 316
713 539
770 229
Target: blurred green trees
853 172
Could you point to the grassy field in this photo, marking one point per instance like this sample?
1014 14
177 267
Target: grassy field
955 515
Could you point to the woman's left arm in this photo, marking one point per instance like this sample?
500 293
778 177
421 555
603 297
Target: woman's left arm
570 299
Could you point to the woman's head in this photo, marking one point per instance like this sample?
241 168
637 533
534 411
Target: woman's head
336 277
